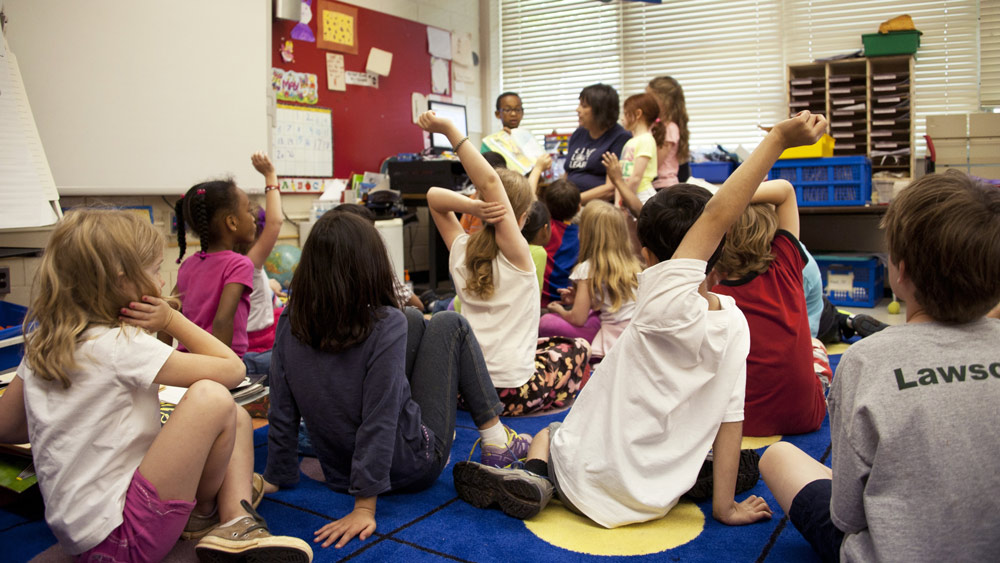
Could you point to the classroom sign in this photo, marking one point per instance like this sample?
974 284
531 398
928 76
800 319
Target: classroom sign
291 86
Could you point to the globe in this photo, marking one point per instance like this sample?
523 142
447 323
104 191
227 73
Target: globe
281 264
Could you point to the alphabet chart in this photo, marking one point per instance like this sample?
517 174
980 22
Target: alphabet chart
303 141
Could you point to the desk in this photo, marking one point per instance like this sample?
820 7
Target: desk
413 179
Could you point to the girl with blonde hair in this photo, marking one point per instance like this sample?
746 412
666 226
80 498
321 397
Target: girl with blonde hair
495 278
605 280
116 485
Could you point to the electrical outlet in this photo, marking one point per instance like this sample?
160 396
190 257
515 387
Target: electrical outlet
4 280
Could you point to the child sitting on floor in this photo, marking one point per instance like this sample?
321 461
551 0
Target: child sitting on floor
118 486
913 408
604 281
377 387
562 198
670 389
762 268
495 277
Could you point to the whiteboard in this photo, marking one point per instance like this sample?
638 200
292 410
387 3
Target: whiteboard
303 141
26 185
145 97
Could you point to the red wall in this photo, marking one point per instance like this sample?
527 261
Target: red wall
369 124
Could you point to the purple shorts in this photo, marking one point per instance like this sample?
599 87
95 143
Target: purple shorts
150 527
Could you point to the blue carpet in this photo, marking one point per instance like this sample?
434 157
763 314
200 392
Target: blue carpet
434 525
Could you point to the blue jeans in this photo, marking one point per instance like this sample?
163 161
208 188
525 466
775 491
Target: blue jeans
258 366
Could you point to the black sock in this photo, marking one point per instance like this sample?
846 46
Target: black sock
538 467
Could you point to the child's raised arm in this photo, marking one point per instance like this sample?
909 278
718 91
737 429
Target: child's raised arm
491 190
781 194
733 197
273 216
444 204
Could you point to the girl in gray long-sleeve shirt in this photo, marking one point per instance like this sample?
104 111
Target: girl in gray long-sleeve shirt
375 385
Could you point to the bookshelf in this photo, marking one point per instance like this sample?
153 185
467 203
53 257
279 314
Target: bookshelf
869 105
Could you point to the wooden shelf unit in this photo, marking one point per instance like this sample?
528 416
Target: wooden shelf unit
868 103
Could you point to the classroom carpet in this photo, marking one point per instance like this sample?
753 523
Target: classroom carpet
435 525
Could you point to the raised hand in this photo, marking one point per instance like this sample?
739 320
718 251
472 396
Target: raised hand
804 129
430 122
262 163
613 166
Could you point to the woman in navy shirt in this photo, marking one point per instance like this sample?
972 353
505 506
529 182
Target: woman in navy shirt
599 132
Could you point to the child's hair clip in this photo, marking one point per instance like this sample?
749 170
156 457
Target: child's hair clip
657 120
201 191
178 260
182 196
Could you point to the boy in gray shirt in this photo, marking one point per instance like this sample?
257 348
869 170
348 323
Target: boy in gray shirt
914 408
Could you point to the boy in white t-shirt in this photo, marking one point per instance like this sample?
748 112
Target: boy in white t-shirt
631 446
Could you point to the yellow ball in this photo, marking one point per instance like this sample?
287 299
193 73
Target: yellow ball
894 308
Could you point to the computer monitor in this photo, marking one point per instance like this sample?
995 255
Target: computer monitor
454 112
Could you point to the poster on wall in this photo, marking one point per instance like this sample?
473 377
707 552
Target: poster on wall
335 79
291 86
337 27
303 141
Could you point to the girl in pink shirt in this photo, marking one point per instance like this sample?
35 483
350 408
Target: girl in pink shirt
673 114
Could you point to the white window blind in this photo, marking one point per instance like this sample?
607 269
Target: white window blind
989 49
731 56
550 50
946 70
725 55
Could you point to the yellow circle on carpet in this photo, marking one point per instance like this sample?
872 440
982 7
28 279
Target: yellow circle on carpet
756 443
567 530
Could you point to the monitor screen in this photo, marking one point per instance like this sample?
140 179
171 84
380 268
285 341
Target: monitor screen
456 114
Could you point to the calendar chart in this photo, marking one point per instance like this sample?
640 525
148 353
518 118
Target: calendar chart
303 141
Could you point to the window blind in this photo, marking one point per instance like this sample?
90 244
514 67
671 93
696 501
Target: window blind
989 50
730 56
550 50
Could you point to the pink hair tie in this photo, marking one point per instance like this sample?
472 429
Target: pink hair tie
201 191
178 260
657 120
202 254
182 196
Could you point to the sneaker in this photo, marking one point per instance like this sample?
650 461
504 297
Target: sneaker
248 539
510 454
197 526
519 493
746 477
865 325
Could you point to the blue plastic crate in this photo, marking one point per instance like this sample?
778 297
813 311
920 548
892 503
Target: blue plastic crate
11 339
852 281
714 172
831 181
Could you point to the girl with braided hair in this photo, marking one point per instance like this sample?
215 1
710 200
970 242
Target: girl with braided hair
214 284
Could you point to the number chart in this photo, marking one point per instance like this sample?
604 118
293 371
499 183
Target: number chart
303 141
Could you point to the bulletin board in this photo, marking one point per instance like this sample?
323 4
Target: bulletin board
369 124
303 141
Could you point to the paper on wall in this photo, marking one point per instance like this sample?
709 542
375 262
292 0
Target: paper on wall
379 62
439 43
361 79
335 79
418 105
462 73
461 48
440 79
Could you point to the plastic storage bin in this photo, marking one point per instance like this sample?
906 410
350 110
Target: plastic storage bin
833 181
852 281
714 172
892 43
820 149
11 338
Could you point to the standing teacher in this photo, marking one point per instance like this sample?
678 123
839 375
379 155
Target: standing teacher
599 132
